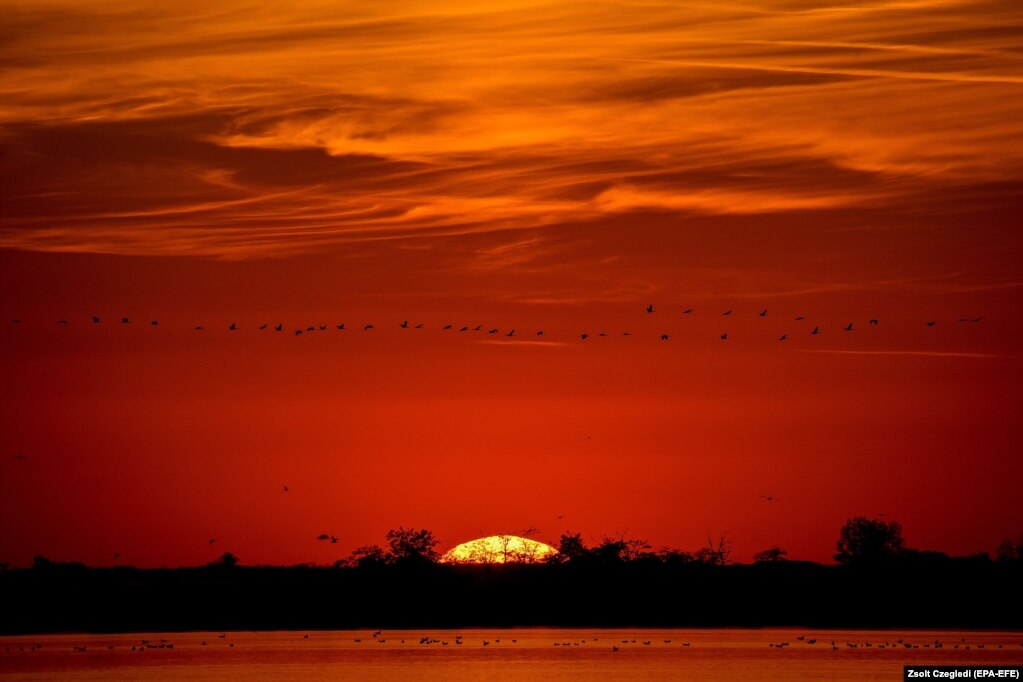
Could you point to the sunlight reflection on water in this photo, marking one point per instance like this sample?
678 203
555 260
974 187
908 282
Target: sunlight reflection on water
512 654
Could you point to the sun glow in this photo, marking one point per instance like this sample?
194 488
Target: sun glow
499 549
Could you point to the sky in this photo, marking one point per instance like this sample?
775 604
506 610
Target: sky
515 165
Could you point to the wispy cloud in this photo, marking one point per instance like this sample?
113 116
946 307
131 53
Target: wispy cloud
228 130
920 353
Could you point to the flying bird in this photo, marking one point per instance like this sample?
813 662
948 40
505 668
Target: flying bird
687 311
769 498
664 337
727 312
540 333
323 327
464 329
213 541
279 327
333 540
446 327
263 326
849 327
626 333
724 337
198 327
931 323
800 318
367 327
233 327
511 333
873 323
784 337
404 325
19 457
477 328
61 321
154 323
419 326
585 336
341 327
763 313
298 332
125 320
285 488
492 331
323 536
95 319
816 330
311 329
650 308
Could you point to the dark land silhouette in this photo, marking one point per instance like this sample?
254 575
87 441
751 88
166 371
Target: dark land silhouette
878 583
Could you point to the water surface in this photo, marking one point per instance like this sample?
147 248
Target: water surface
497 655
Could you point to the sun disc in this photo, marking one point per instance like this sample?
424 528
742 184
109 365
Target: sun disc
499 549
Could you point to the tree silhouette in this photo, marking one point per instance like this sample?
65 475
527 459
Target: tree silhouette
865 540
367 556
770 555
572 547
226 560
411 545
715 555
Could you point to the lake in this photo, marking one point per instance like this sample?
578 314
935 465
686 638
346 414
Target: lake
502 654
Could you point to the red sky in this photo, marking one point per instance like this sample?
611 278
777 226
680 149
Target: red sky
519 165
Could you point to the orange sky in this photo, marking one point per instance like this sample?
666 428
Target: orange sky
527 165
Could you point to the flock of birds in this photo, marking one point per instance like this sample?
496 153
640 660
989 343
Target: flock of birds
616 644
479 328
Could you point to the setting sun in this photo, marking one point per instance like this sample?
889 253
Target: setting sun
499 549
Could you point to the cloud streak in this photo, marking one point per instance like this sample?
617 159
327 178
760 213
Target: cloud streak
230 131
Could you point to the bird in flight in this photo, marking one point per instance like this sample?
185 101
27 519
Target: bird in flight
213 541
285 488
769 498
626 333
816 330
464 329
333 540
323 536
687 311
263 326
727 312
125 320
849 327
279 327
95 319
19 457
477 328
404 325
664 337
873 323
367 327
800 318
298 332
198 327
341 327
585 336
724 337
233 327
492 331
154 323
931 323
419 326
511 333
763 313
784 337
61 321
650 308
446 327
